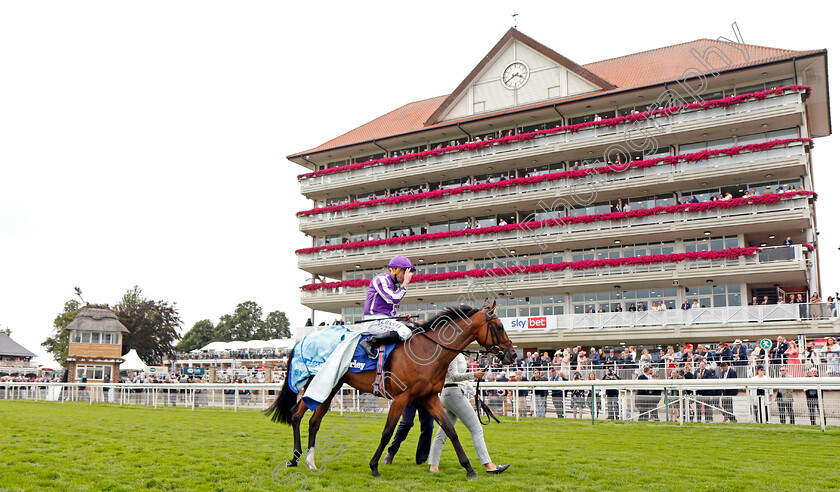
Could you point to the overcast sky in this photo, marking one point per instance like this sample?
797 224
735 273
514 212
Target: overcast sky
144 142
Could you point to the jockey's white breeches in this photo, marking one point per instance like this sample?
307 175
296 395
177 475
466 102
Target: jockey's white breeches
383 324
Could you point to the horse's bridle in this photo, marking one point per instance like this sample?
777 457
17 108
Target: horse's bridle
494 349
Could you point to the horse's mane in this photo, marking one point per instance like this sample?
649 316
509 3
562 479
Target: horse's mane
451 313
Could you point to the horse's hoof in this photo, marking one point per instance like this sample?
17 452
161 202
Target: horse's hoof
375 473
472 474
291 463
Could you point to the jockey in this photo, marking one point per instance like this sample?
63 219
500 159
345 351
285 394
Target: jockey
386 290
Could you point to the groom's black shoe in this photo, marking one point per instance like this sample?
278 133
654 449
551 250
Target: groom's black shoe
499 469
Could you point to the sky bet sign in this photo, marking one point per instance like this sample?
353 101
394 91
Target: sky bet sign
530 323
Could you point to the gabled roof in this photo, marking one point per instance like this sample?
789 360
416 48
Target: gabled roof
669 64
96 319
530 42
634 71
11 348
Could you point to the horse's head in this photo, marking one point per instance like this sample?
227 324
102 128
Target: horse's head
492 335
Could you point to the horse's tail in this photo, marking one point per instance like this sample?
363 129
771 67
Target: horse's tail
281 409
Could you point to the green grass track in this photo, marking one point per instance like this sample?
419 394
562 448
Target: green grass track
74 446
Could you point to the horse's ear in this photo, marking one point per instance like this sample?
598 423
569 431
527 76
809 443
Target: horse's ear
486 302
493 307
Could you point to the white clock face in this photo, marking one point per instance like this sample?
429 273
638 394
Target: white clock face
515 75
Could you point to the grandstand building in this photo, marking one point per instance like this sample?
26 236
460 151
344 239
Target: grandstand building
642 199
15 360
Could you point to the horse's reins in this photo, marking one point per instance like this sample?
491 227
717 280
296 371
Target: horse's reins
491 332
480 406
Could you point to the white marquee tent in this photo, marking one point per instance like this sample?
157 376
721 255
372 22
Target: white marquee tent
132 362
283 344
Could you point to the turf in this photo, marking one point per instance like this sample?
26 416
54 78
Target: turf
72 446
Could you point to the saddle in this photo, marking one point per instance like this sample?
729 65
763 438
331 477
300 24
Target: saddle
379 380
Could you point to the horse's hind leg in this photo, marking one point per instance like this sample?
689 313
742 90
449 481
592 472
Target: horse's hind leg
297 415
435 408
314 425
397 407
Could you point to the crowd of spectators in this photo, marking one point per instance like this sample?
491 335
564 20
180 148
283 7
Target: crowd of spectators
784 358
8 361
269 353
569 360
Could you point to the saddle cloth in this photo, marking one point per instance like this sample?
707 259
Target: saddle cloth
326 356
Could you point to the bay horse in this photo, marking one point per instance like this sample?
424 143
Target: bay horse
416 370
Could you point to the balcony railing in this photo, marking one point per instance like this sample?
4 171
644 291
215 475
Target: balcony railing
581 136
17 363
791 151
552 234
694 316
773 254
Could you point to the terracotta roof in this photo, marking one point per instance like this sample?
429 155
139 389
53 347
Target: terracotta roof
627 72
405 119
669 63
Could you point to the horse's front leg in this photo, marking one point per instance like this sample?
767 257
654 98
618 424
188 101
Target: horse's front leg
435 408
397 407
314 425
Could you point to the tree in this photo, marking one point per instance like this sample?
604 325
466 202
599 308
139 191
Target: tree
276 325
245 321
199 335
152 326
7 331
57 344
222 332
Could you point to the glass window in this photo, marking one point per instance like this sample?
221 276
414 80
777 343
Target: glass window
377 234
722 143
692 147
751 139
487 221
783 134
77 336
438 227
85 337
95 337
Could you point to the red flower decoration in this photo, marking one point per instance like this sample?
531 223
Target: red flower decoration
574 174
730 253
713 103
584 219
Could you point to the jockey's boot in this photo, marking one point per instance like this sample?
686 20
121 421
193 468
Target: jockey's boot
369 344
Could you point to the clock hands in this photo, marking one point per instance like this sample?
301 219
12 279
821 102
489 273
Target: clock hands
512 76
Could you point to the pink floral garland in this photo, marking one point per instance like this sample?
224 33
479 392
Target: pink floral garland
573 174
583 219
809 247
631 118
730 253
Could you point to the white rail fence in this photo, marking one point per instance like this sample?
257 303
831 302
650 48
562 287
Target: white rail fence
814 401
